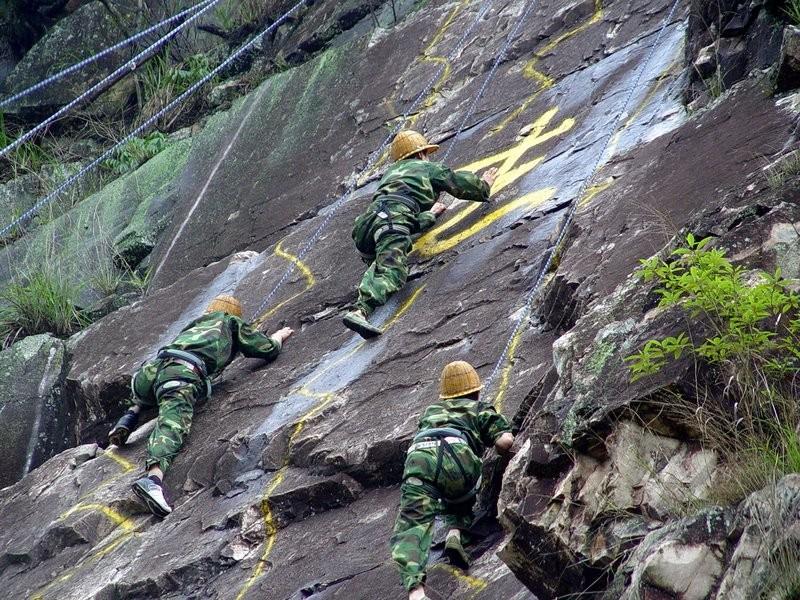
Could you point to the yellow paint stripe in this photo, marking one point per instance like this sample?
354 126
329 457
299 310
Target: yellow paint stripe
112 515
505 377
430 99
477 584
594 191
545 81
612 146
72 571
429 244
308 275
270 525
126 465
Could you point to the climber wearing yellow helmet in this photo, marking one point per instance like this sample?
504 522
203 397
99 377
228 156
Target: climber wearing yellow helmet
442 473
405 204
180 376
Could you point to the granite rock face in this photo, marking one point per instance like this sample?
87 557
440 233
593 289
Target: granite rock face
288 484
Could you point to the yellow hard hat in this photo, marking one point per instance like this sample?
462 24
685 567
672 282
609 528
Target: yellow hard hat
459 378
408 142
227 304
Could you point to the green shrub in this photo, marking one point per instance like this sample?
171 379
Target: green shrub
42 301
162 81
135 153
742 316
752 348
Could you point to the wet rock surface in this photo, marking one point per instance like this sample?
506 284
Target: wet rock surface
35 418
288 485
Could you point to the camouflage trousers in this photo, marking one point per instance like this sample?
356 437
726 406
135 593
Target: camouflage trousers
420 504
174 389
387 274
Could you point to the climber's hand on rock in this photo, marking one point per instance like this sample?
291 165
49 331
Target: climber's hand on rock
504 442
438 208
490 176
282 334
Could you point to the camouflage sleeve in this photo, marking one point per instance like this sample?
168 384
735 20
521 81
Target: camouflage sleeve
461 184
254 344
492 425
426 220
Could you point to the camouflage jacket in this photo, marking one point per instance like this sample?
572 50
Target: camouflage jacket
478 421
422 181
217 337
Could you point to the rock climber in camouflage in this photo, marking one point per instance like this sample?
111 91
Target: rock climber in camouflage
179 377
406 203
442 473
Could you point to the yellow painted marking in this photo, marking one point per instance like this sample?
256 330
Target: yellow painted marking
476 584
112 515
530 68
302 267
509 172
127 466
430 99
72 571
545 81
270 525
593 191
506 374
429 245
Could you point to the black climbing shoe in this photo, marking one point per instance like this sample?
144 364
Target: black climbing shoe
119 435
356 321
149 491
455 553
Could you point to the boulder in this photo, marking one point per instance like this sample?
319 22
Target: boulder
788 76
88 30
34 419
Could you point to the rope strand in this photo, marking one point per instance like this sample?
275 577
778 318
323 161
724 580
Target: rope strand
109 80
344 198
144 126
531 295
102 54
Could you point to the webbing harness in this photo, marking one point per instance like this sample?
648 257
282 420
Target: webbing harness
383 213
189 360
443 438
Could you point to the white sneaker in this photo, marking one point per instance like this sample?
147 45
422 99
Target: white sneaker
149 491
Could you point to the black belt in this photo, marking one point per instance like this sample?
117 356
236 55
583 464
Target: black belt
407 202
190 360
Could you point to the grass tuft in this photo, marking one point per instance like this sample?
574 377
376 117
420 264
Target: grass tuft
41 301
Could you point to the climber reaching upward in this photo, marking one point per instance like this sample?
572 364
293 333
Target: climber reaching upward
442 473
181 375
405 204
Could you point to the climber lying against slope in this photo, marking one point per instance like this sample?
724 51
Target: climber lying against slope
442 473
404 204
180 376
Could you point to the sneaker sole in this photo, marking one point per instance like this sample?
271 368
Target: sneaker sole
119 437
151 504
362 330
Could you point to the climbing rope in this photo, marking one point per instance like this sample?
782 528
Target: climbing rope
554 249
144 126
103 53
500 56
101 86
373 159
